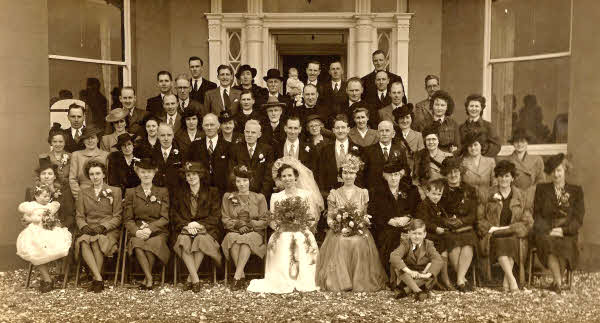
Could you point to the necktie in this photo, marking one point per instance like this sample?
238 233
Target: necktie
171 123
77 135
386 154
382 96
195 85
181 105
226 100
291 151
165 155
251 151
342 151
335 88
210 147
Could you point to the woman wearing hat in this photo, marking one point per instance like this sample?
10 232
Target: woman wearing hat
121 170
98 215
146 217
428 162
479 170
148 143
118 120
503 223
245 76
247 111
392 207
558 212
460 202
189 131
490 143
411 140
228 128
314 126
244 217
442 106
361 134
195 214
57 154
78 180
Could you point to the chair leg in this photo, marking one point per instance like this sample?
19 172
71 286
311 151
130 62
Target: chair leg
65 268
162 278
521 264
28 280
530 269
214 269
175 260
77 270
226 270
488 268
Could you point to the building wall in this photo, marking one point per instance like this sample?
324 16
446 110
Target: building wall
23 109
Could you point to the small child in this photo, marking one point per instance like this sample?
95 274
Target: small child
43 240
415 263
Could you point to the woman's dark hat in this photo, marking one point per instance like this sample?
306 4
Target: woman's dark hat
190 112
273 74
272 102
504 167
393 167
243 68
242 171
403 111
553 162
432 129
45 163
225 116
193 167
116 115
449 164
470 139
122 139
88 132
145 163
313 117
520 134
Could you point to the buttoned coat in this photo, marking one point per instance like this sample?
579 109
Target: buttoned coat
153 210
218 164
214 103
198 95
208 212
327 170
307 153
371 137
77 178
260 163
479 176
374 161
99 210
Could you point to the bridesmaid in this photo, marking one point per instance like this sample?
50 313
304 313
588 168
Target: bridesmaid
146 217
119 124
98 217
244 216
57 154
195 215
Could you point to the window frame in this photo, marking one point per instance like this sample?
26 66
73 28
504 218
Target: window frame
488 62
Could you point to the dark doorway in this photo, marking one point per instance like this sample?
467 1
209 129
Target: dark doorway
301 61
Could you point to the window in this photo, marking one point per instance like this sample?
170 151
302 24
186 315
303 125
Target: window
527 69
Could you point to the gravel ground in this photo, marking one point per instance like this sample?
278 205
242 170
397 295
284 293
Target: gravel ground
216 303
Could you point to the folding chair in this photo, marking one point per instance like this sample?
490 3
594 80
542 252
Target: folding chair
177 260
115 272
487 263
254 274
128 259
532 272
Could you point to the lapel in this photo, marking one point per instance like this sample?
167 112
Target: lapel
257 151
139 192
411 136
186 200
217 97
524 165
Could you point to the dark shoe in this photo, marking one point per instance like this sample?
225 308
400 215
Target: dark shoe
401 294
236 284
556 288
470 287
46 286
196 287
98 286
187 286
421 296
462 288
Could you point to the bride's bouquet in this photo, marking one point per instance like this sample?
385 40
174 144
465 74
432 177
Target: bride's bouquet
350 221
292 214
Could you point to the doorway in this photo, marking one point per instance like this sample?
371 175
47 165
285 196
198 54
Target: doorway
300 62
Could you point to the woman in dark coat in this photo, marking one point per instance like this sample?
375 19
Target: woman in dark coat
146 217
459 200
121 172
558 213
148 143
195 216
503 220
392 207
490 143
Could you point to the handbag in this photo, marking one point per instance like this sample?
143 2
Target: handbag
504 233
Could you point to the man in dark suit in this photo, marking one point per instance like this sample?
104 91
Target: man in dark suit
380 63
199 85
272 127
311 105
333 94
171 115
333 155
182 84
274 81
354 90
381 97
247 112
154 104
213 152
396 93
168 159
224 97
128 101
313 70
294 147
76 116
258 157
377 155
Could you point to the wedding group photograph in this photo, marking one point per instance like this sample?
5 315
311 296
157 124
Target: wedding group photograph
300 161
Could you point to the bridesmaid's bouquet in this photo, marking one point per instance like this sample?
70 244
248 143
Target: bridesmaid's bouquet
350 221
49 220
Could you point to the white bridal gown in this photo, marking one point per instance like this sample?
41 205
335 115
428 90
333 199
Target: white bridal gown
279 274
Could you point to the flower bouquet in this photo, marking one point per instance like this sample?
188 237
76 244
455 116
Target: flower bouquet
350 221
49 221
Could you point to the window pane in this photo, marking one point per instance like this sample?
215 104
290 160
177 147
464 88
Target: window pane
530 27
533 95
91 29
91 83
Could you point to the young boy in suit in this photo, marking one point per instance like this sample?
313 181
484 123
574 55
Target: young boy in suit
415 263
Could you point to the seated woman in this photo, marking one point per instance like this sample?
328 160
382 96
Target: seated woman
78 178
361 134
460 202
558 213
392 206
490 143
145 145
195 216
118 121
146 217
98 217
442 106
57 154
349 260
244 216
228 127
428 162
501 220
411 140
121 164
478 169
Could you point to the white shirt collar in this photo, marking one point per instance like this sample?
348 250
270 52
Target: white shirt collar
74 131
415 246
394 107
361 133
274 125
172 116
475 120
168 151
388 146
225 88
338 143
199 81
333 83
351 103
253 146
214 139
405 134
186 102
295 143
312 82
162 96
380 92
442 119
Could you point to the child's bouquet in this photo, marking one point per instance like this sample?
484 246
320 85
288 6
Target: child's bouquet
350 221
49 220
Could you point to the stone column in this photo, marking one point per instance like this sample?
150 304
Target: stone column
215 44
254 44
400 42
363 42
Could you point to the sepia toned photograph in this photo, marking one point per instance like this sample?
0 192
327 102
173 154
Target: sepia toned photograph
300 161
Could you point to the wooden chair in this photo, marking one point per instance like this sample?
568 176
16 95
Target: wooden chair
487 263
532 272
177 260
115 272
66 261
251 274
130 273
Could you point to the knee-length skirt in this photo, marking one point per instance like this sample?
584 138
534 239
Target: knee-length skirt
108 242
156 244
253 239
204 243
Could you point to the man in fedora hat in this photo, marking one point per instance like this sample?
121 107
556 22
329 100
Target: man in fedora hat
164 82
274 81
272 127
224 97
185 102
245 76
199 85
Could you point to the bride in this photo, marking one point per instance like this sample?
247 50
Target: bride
290 268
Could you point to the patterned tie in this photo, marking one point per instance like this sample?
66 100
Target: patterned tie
226 100
251 151
171 122
181 105
291 151
210 147
165 156
195 88
335 88
386 154
77 135
382 96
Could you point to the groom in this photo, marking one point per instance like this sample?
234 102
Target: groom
293 146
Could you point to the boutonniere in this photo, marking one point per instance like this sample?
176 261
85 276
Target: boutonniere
57 193
197 139
307 149
153 199
497 197
233 200
439 213
135 159
64 160
107 193
175 151
235 100
260 156
222 156
402 195
355 148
